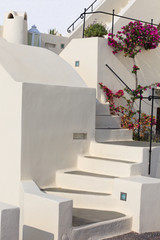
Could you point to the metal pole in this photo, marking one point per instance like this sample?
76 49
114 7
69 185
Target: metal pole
150 148
92 8
113 21
140 106
151 21
84 21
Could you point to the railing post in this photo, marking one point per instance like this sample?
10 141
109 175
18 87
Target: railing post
84 21
150 148
140 106
113 21
92 8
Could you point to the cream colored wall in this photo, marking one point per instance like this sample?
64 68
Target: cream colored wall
43 216
53 42
85 51
143 10
94 53
37 65
10 138
142 194
106 6
15 29
1 31
50 117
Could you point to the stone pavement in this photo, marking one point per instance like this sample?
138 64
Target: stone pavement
136 236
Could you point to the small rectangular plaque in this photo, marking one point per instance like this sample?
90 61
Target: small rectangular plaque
79 136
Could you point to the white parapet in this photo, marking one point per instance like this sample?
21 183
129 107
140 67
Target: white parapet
142 201
43 214
9 218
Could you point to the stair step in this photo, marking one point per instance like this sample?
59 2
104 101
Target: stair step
109 159
104 121
84 181
64 190
104 135
99 224
83 217
102 109
84 199
108 167
82 173
115 151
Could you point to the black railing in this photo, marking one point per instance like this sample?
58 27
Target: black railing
113 17
83 16
149 98
118 77
72 26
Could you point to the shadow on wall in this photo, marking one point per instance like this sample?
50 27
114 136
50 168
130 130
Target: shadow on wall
30 233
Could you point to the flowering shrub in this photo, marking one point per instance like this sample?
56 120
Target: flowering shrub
132 39
135 69
110 97
129 116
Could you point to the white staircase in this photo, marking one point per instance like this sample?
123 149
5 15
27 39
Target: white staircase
90 186
108 127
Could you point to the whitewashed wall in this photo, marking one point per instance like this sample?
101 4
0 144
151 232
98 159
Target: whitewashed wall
50 117
94 53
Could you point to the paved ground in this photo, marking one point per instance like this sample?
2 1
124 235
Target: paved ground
135 236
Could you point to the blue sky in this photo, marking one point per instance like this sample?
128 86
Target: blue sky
46 14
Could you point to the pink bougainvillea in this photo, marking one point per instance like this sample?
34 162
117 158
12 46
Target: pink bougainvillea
129 116
132 38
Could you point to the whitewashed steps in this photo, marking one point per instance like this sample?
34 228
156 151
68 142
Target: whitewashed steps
104 229
85 181
83 199
110 167
108 127
108 121
102 108
105 135
115 151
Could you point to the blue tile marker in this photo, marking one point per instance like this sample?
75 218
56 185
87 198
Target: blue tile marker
76 63
123 196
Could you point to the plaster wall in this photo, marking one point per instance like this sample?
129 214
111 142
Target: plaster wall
1 31
94 53
106 6
51 115
15 29
53 42
143 10
142 194
37 65
43 216
85 51
9 219
10 138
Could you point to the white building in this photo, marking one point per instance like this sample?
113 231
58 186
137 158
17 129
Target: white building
51 165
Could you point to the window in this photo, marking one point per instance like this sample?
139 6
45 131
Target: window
50 46
62 45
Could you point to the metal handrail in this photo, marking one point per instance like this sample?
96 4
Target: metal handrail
149 98
83 16
80 17
119 78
